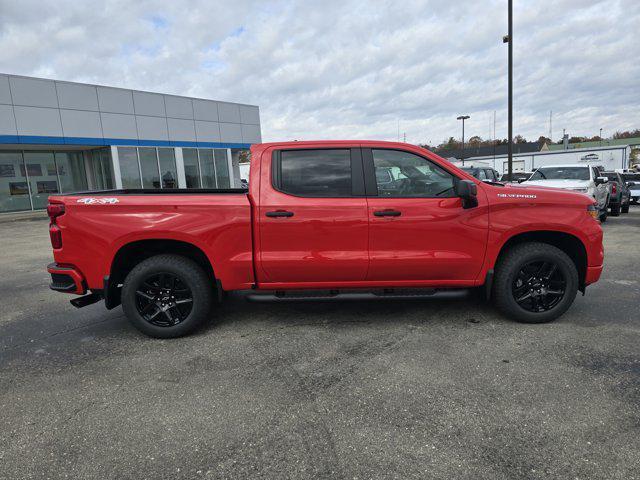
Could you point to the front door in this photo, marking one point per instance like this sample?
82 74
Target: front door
418 228
313 217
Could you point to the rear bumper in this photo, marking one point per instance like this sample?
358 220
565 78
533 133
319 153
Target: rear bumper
593 274
66 279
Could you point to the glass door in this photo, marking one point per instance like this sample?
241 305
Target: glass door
14 187
41 173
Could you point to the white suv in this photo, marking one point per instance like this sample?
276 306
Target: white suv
579 178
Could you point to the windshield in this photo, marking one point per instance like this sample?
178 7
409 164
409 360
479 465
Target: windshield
561 173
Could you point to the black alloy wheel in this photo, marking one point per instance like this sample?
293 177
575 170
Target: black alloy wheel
539 286
164 300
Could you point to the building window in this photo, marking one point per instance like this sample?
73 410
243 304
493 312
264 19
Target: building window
71 171
129 168
168 170
191 167
42 177
14 190
100 169
208 168
149 167
222 168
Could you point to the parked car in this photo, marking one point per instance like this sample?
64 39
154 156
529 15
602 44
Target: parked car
486 174
632 181
516 177
618 194
578 178
315 222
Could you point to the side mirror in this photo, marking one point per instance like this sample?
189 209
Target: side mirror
468 192
601 180
630 184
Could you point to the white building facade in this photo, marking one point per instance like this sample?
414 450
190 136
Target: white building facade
611 158
60 137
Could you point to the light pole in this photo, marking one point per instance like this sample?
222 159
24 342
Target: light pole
463 118
509 39
600 137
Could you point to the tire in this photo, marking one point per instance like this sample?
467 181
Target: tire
507 278
603 216
615 210
625 208
146 288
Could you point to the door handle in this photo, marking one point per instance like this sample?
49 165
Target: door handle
279 213
387 213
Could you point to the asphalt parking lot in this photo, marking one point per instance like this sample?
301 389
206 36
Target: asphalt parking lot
435 388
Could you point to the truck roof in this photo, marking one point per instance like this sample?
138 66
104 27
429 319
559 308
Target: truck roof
297 143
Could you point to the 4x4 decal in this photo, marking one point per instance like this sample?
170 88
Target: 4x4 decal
98 201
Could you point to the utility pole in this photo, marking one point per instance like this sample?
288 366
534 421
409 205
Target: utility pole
600 137
404 138
551 125
509 39
463 118
494 139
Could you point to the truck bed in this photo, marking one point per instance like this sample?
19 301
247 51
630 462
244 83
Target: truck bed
96 225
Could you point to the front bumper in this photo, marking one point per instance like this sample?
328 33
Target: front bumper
593 274
66 279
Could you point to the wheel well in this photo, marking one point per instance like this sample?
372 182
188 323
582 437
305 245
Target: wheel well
133 253
569 244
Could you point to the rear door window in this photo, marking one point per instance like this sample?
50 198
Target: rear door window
314 173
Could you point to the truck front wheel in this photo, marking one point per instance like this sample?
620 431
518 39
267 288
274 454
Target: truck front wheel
535 283
167 296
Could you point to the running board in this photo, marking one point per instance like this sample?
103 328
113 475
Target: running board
387 293
86 300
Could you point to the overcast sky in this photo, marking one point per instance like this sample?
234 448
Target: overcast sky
350 68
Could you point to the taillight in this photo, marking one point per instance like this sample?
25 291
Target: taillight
614 188
55 210
56 235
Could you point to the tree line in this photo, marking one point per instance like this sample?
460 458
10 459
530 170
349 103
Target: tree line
477 141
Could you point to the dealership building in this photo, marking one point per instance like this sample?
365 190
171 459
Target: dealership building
58 137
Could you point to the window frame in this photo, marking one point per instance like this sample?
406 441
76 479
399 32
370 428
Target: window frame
371 185
357 174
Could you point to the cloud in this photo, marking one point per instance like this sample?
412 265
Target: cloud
349 68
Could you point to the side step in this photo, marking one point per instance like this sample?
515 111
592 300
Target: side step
86 300
386 293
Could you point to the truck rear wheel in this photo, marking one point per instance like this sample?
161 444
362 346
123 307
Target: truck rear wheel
615 210
167 296
535 283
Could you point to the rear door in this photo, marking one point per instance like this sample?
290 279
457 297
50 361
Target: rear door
418 228
313 216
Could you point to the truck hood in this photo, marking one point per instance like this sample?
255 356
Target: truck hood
569 184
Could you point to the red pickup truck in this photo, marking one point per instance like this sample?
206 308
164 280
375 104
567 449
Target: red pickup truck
325 218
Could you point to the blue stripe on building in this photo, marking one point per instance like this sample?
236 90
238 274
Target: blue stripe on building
98 142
